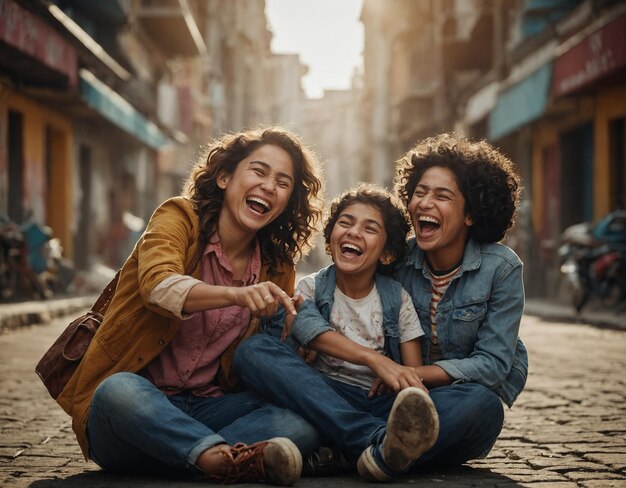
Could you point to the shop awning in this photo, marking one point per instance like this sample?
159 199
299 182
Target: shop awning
481 103
34 51
117 110
594 55
520 104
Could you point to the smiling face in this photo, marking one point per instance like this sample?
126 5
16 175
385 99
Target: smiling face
437 209
357 241
257 192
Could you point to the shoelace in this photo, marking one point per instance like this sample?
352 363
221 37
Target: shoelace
246 463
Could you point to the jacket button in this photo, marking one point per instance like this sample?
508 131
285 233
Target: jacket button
161 342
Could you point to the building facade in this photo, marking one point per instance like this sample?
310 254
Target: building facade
542 80
104 106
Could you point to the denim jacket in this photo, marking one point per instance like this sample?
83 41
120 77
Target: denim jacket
313 316
478 318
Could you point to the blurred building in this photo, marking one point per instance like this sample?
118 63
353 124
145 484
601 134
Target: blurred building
285 72
333 127
104 106
544 80
81 132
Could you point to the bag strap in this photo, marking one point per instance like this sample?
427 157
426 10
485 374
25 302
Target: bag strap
105 297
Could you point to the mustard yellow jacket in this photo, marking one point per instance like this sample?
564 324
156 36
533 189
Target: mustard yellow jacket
134 331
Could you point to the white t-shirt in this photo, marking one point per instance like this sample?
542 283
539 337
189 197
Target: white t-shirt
361 321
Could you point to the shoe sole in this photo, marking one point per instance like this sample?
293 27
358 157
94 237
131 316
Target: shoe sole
282 461
368 468
412 429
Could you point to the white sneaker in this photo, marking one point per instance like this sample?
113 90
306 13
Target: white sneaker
412 429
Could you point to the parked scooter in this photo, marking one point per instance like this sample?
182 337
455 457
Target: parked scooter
593 260
49 273
12 258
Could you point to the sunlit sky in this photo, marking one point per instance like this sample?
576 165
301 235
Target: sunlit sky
326 33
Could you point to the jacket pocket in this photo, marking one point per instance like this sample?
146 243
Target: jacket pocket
466 321
117 338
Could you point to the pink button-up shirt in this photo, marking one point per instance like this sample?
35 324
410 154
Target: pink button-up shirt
190 362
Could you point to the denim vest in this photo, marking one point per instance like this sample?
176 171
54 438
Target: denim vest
478 318
314 316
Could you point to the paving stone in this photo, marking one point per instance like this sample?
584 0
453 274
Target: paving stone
603 484
616 460
551 484
586 475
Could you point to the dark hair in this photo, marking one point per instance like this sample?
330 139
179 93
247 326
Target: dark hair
287 238
395 219
485 176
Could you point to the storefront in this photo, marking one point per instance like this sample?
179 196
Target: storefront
35 138
593 64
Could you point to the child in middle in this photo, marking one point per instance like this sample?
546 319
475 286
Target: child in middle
370 325
365 397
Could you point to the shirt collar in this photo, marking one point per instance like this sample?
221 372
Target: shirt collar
252 273
471 256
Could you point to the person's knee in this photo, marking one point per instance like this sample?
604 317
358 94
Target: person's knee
469 406
115 386
250 353
490 405
120 393
482 412
291 425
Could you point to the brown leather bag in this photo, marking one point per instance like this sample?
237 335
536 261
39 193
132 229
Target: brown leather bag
59 362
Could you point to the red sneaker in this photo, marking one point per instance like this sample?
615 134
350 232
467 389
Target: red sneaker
277 461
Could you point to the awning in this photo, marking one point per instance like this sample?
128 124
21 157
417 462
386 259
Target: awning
480 103
36 52
117 110
520 104
594 57
172 27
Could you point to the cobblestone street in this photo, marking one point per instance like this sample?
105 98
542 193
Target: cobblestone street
568 428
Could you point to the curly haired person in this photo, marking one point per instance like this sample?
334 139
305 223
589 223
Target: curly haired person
147 396
467 288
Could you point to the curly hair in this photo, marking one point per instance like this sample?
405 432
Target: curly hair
485 176
289 236
395 219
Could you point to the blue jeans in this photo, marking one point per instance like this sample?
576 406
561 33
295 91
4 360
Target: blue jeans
134 427
470 415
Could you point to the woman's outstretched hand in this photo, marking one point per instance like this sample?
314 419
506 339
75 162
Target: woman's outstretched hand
297 302
263 299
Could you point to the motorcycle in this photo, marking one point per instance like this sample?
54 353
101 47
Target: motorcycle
593 260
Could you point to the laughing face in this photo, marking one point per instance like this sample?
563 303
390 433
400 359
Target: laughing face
357 241
437 210
257 191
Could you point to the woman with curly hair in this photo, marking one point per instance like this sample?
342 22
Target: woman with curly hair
151 393
466 287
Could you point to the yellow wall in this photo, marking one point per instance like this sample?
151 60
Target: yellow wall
52 201
610 104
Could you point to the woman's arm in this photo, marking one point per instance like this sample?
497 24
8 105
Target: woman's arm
411 352
262 299
433 376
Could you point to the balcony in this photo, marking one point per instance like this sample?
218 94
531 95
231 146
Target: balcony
172 27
